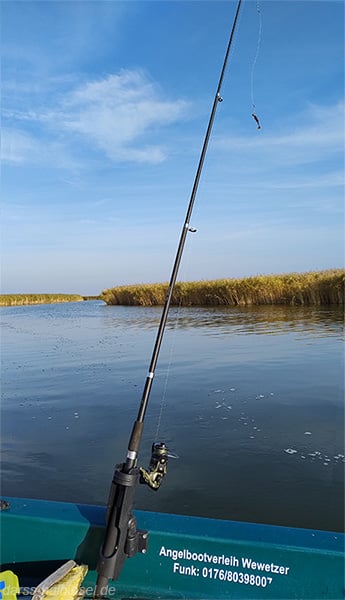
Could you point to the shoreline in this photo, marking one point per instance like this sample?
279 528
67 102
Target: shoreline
28 299
293 289
315 288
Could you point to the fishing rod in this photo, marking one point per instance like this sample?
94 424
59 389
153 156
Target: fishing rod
122 539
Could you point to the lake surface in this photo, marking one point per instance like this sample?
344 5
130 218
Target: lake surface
250 399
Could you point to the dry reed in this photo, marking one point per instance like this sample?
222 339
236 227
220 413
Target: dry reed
312 288
23 299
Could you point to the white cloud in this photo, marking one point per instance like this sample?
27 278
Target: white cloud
16 146
118 110
112 114
19 147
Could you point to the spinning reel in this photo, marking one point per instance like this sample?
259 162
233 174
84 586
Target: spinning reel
158 466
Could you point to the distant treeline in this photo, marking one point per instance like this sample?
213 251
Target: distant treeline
21 299
313 288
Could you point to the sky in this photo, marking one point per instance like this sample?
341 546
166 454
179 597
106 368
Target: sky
105 105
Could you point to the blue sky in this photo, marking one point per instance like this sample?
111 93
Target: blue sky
104 109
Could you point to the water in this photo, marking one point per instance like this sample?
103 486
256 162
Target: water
250 399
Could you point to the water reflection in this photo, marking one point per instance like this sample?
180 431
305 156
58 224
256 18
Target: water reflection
251 399
275 320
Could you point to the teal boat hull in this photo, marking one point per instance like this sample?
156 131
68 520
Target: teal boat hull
187 557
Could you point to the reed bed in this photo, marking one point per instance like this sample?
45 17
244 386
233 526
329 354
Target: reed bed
312 288
23 299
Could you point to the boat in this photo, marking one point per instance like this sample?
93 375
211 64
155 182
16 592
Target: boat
64 551
187 557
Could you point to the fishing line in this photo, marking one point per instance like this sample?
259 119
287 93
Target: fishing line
258 45
163 402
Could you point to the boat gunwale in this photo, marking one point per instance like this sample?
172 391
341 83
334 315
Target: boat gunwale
175 524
